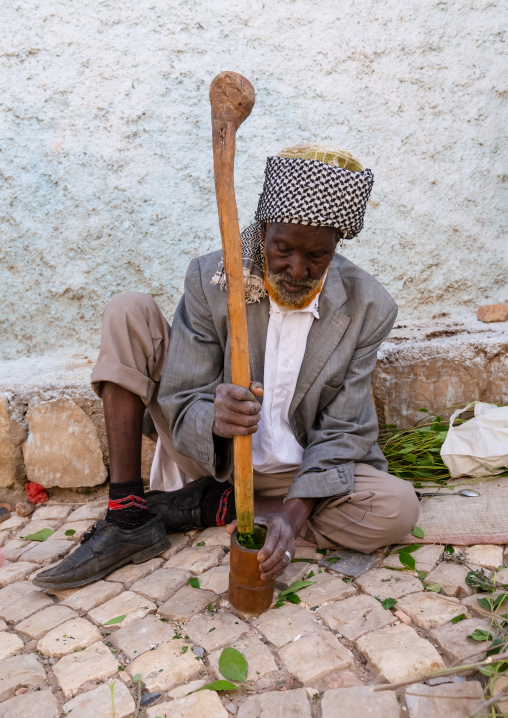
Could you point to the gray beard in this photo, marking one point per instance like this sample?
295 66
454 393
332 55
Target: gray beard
288 300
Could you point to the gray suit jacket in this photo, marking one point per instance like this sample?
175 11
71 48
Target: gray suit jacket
332 414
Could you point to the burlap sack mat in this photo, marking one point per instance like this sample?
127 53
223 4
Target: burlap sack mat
464 521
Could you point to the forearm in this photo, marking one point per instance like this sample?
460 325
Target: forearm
298 511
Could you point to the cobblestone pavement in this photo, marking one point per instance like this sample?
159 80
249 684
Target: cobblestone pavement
317 658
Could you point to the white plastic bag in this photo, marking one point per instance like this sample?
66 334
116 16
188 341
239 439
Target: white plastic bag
480 445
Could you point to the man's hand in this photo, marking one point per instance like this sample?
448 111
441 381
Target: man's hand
237 413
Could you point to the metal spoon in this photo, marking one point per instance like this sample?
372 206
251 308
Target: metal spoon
464 492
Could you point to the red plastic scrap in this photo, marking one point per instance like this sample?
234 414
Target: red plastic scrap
36 493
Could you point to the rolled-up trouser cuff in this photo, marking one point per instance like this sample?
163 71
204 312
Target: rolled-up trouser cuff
132 380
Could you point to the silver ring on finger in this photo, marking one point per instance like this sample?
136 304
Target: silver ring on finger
288 555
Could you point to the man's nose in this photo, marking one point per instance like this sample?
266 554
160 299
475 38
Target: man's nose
297 267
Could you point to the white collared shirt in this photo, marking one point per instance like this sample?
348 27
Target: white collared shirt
274 446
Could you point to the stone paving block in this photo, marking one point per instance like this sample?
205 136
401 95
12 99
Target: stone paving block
47 552
13 572
70 636
93 664
501 576
42 704
258 656
186 603
276 704
182 691
337 679
99 703
451 577
448 700
359 701
33 527
23 605
93 595
178 543
452 638
426 558
10 644
314 656
3 625
5 536
205 704
501 684
308 552
215 630
43 621
15 522
79 528
14 591
134 572
142 635
162 584
326 587
472 601
383 583
226 559
214 536
485 555
399 653
127 603
293 572
52 511
62 448
90 512
216 580
282 625
196 560
15 548
352 563
356 616
169 665
19 671
429 610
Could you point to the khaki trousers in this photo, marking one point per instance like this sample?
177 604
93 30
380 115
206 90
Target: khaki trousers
134 343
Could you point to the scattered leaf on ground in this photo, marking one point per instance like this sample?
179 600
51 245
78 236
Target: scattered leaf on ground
409 549
194 582
233 665
201 543
332 559
41 535
479 635
217 686
417 532
389 603
458 618
433 587
407 560
112 621
70 532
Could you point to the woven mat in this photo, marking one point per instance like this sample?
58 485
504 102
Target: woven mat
464 521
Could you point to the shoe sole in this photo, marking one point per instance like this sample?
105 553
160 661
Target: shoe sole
139 557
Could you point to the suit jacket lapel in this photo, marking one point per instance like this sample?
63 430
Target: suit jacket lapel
325 333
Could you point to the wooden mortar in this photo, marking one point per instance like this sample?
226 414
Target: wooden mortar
247 591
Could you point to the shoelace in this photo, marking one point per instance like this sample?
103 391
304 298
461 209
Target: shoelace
88 535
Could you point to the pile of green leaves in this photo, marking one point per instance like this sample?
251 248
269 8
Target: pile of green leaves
254 541
415 453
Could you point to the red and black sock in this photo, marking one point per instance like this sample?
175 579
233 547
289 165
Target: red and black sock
218 505
127 507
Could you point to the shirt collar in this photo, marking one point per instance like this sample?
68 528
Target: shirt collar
313 307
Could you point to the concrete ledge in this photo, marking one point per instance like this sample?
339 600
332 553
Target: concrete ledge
432 364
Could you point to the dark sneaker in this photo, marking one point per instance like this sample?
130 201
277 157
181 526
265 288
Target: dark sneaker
104 549
180 510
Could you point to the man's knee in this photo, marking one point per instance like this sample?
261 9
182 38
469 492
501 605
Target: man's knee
406 507
128 303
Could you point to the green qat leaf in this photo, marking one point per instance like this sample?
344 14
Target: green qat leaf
458 618
293 598
41 535
407 560
435 587
194 582
389 603
112 621
332 559
218 686
70 532
409 549
417 532
233 665
479 635
295 586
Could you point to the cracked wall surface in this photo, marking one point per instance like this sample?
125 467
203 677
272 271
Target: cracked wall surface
106 160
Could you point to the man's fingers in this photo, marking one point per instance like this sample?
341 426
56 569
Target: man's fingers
232 417
256 388
231 527
271 541
227 431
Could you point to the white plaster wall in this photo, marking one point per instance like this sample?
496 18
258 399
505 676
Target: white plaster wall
106 162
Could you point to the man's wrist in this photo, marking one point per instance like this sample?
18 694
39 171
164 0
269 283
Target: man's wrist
298 511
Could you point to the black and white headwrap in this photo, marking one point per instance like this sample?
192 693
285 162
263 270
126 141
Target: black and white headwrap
301 191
